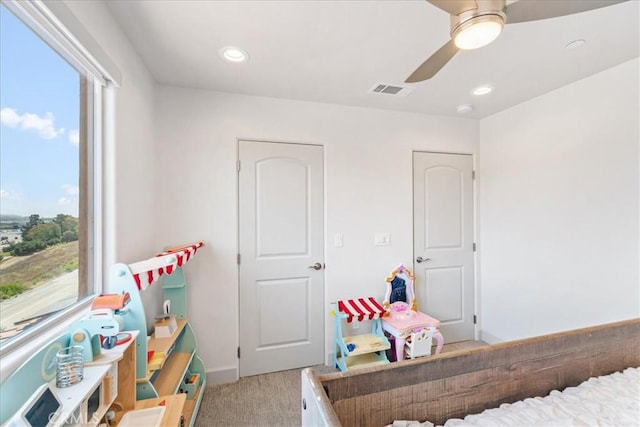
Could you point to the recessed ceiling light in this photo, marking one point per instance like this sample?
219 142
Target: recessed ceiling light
482 90
233 54
575 44
464 108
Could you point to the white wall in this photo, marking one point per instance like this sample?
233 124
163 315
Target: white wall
134 177
131 182
559 215
368 176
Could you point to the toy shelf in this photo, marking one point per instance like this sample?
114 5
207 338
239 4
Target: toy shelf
172 373
370 350
172 414
365 361
366 343
161 348
364 349
177 380
190 405
174 361
163 345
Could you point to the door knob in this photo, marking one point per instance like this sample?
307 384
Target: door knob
420 259
316 266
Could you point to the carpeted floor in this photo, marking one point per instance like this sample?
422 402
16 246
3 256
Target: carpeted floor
261 400
269 400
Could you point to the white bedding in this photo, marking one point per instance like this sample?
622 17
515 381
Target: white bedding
610 400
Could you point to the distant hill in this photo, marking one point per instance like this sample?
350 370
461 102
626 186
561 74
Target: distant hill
14 218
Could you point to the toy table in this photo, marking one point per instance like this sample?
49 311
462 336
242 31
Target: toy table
401 324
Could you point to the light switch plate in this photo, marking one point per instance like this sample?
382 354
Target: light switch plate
382 239
338 240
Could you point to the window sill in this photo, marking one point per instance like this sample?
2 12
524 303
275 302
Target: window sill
16 353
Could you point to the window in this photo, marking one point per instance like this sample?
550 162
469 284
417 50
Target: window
51 115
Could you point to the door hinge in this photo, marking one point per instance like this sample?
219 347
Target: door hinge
474 249
238 165
238 259
238 352
473 174
475 320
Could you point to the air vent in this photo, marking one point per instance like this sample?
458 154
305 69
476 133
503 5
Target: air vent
387 89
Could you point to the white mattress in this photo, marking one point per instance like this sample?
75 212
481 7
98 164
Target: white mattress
610 400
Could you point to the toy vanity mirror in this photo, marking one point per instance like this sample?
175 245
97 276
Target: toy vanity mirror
400 298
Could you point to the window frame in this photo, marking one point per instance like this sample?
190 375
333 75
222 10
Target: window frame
54 23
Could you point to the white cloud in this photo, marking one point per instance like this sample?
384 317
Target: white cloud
29 121
9 117
71 195
74 137
9 195
71 190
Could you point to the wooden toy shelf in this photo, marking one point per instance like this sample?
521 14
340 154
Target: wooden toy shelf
176 379
162 349
174 361
366 343
365 349
364 361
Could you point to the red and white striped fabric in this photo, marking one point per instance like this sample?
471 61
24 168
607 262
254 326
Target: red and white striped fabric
183 253
146 272
361 307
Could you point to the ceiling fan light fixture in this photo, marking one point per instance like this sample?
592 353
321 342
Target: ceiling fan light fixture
477 31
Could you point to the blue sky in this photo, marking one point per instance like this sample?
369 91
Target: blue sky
39 114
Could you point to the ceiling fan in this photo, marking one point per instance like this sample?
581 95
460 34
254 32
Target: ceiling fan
476 23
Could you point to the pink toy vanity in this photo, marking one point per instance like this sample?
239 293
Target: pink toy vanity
404 322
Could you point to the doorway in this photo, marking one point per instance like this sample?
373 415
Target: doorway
443 241
281 256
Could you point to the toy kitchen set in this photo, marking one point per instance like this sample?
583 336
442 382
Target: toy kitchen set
106 371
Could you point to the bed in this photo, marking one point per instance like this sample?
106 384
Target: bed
456 384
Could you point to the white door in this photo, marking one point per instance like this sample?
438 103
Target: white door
443 241
281 256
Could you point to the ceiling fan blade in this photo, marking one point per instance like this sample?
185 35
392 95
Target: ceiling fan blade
533 10
431 66
454 7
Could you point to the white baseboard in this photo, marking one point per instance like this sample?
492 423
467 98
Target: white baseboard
490 338
329 358
222 376
231 375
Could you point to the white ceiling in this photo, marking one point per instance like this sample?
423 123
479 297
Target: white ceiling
336 51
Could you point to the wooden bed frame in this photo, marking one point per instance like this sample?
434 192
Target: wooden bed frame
459 383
